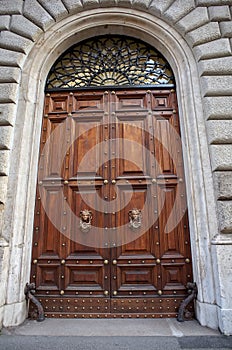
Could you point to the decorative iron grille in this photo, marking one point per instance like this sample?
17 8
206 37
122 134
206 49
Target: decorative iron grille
109 61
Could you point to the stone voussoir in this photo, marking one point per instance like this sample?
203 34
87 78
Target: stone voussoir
214 49
37 14
158 7
4 22
55 8
213 2
15 42
11 6
141 4
90 4
73 6
226 29
107 3
179 9
195 19
216 66
24 27
206 33
11 58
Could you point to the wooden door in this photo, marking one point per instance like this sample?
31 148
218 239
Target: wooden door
115 157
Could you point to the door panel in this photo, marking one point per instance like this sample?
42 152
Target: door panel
112 154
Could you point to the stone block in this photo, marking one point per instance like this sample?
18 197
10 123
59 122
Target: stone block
3 189
9 7
11 58
223 184
219 13
4 22
22 26
125 3
55 8
37 14
90 3
221 157
6 135
4 162
15 42
207 32
141 4
216 85
158 7
107 3
218 107
213 49
7 114
8 92
196 18
10 74
179 9
73 6
225 216
226 29
216 66
212 2
219 131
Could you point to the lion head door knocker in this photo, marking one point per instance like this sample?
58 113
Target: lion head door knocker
85 220
135 218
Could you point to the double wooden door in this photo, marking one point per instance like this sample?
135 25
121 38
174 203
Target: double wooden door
111 234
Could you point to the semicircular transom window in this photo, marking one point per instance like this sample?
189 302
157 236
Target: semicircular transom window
110 61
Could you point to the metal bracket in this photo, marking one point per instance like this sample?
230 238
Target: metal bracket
184 314
29 292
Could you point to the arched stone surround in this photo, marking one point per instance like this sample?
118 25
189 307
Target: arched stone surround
22 99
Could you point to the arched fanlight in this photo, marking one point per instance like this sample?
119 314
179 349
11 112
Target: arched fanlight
110 61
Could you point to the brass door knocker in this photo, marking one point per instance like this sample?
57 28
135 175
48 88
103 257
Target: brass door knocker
135 218
85 220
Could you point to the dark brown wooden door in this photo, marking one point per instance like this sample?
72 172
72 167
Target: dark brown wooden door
109 155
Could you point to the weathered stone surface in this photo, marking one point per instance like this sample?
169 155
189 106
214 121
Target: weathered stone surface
11 58
225 216
4 22
216 85
55 8
226 29
221 157
9 74
8 92
7 114
3 189
11 6
6 137
219 131
37 14
4 162
196 18
73 6
203 34
159 6
142 4
223 184
213 49
218 107
216 66
106 3
125 3
219 13
22 26
90 3
213 2
14 42
179 9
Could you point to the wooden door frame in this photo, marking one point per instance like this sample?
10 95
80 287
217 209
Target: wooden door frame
197 163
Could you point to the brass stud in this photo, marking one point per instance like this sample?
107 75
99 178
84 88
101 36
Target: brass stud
112 92
160 292
106 262
66 182
106 293
114 262
48 95
35 261
34 276
153 181
187 260
174 111
62 292
158 261
113 182
63 262
105 182
115 292
91 261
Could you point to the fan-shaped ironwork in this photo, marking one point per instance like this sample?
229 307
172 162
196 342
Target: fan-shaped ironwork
109 61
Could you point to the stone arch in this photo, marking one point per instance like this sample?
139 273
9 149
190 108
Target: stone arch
42 54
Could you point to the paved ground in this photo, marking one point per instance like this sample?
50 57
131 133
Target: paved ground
113 334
